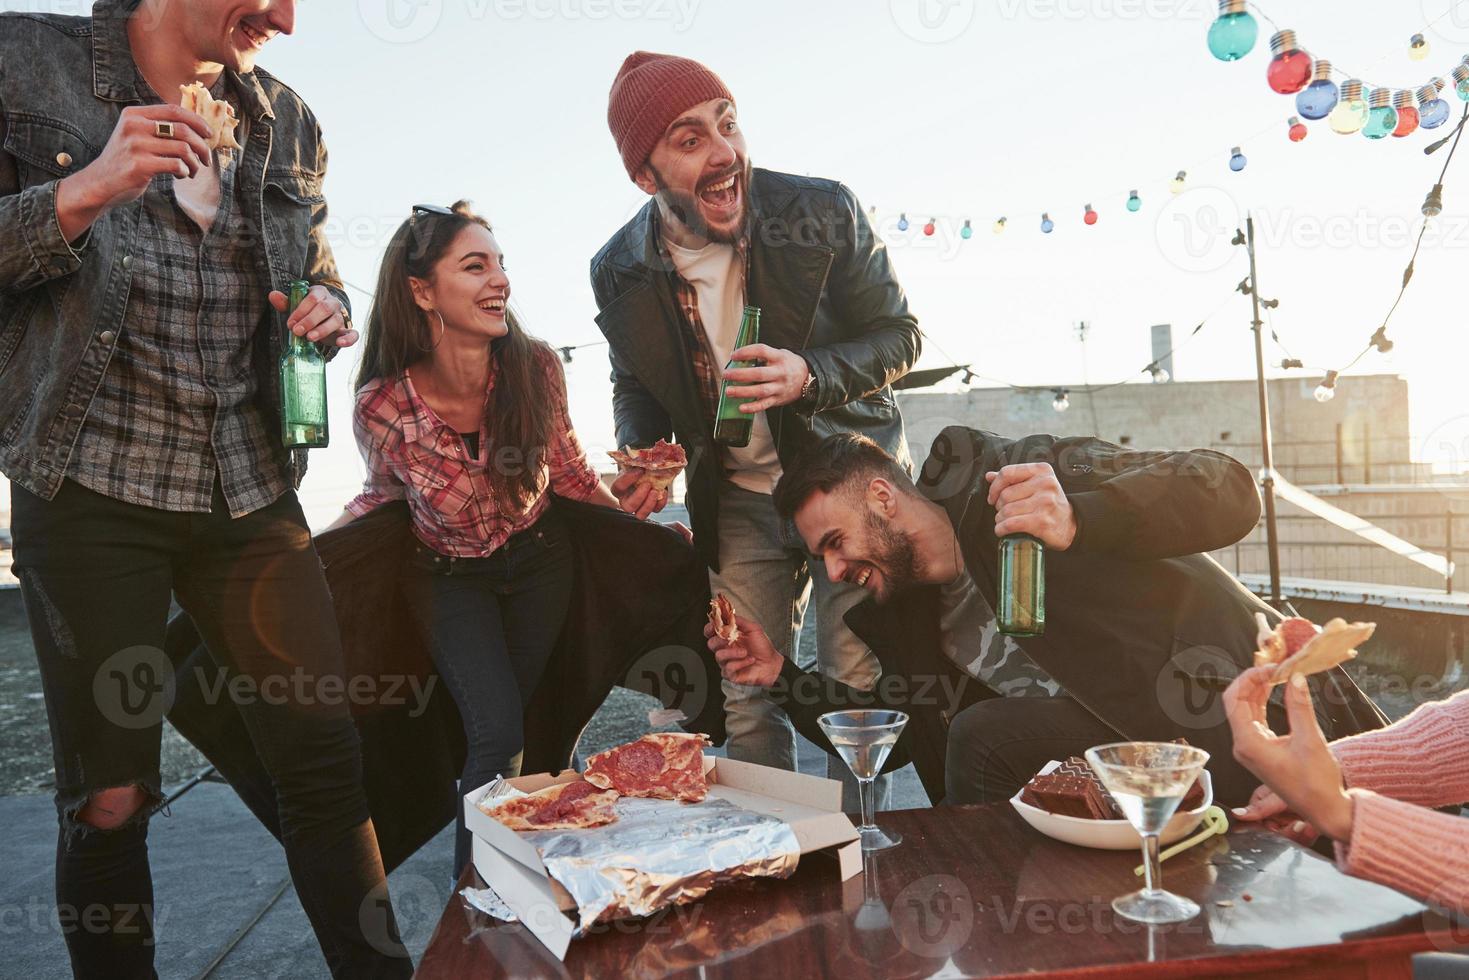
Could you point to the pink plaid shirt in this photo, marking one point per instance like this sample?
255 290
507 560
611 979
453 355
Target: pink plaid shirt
413 454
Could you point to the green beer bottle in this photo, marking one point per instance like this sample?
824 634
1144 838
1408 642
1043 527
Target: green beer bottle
303 385
1022 598
731 426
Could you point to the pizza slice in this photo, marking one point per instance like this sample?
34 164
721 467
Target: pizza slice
573 805
660 463
219 114
660 766
722 617
1298 646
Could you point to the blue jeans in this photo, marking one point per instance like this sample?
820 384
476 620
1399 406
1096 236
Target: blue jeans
763 569
491 625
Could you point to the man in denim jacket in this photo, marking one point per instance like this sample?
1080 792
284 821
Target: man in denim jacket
139 332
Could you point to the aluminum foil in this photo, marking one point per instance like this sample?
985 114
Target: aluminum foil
661 853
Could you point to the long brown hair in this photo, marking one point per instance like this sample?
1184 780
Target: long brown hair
399 335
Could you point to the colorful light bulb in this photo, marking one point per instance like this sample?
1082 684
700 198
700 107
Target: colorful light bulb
966 231
1295 129
1232 36
1350 114
1417 47
1237 160
1047 225
903 222
929 228
1134 202
1316 100
999 225
1089 216
1177 184
1290 69
1382 118
1433 112
1402 101
1461 82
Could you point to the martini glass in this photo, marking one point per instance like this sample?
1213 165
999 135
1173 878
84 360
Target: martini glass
863 739
1149 780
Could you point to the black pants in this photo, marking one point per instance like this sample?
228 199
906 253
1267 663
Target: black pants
995 746
491 625
96 575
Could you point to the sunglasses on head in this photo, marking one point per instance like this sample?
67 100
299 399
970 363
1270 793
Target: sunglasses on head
427 209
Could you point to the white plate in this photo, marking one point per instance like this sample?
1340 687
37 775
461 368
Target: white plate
1110 835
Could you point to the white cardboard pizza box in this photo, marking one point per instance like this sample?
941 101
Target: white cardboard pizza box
513 868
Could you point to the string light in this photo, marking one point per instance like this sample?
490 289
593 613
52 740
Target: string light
1350 114
999 225
1317 99
966 231
1237 160
1047 225
1160 374
1062 401
931 227
1402 101
1089 216
1178 182
1433 111
1382 118
1295 129
903 222
1326 390
1134 203
1290 68
1233 34
1417 47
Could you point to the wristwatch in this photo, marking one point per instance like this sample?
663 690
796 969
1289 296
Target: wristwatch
808 390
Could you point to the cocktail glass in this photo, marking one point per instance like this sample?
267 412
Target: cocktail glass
863 739
1149 780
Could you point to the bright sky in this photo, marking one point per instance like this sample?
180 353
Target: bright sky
937 108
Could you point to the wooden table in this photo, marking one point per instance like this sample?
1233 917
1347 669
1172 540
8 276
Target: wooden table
973 891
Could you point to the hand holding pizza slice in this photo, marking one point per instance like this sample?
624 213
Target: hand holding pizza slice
722 618
220 116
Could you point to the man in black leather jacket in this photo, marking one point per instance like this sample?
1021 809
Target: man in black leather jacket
835 332
1143 628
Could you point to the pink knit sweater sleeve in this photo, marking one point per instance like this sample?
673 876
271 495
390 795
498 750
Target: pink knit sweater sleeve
1394 775
1423 758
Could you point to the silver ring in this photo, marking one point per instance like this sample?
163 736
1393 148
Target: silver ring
164 130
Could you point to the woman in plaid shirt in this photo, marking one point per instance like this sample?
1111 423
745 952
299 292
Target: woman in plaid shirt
463 414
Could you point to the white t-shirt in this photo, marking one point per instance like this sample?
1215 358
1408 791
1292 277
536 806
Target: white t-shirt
714 272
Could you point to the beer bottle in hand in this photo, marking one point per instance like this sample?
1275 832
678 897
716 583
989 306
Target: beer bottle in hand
1022 598
732 427
303 384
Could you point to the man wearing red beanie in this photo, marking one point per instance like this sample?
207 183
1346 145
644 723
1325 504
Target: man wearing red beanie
835 332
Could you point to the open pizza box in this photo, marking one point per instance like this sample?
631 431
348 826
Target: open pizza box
512 867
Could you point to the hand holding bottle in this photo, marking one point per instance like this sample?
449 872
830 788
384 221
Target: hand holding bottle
1028 499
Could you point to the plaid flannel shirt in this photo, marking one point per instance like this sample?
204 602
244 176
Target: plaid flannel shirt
413 454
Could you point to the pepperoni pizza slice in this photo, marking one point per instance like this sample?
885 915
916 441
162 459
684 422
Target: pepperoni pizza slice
573 805
660 766
660 463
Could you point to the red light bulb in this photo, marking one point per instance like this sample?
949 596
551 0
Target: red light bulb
1407 113
1090 217
1290 69
1297 131
928 229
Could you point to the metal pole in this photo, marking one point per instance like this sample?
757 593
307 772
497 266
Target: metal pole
1449 550
1267 462
1341 473
1367 452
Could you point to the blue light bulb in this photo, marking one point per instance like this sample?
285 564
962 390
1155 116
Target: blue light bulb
1237 160
903 222
1316 100
967 230
1047 224
1433 112
1134 202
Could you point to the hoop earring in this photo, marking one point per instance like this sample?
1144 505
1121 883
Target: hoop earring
442 328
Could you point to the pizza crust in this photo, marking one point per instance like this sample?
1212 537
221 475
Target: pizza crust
1334 645
722 617
220 116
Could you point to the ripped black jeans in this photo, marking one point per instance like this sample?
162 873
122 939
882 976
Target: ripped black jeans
96 575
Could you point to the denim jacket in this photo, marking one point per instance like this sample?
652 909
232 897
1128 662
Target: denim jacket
64 82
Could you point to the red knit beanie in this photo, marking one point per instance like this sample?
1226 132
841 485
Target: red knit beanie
650 92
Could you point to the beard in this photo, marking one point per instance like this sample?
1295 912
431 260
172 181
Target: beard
686 209
894 554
